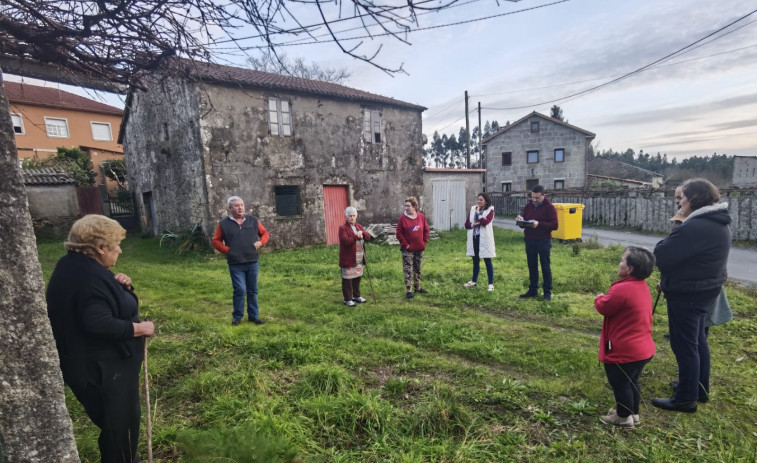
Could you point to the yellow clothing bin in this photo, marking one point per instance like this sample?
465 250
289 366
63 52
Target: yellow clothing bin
569 221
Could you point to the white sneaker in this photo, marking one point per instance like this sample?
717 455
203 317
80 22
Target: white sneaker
615 420
470 284
359 299
636 419
491 288
349 303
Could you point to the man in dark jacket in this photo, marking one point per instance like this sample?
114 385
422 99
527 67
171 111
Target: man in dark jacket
538 237
240 236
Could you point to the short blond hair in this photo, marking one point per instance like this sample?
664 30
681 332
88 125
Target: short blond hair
413 202
94 232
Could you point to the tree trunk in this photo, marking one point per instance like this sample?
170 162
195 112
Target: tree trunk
34 421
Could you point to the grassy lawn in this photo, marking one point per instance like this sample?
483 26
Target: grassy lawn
452 376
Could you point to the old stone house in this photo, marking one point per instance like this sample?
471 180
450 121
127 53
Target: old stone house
620 173
297 151
536 149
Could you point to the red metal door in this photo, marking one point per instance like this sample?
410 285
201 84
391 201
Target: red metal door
334 204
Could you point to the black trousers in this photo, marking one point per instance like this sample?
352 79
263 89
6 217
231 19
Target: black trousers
351 288
624 379
111 400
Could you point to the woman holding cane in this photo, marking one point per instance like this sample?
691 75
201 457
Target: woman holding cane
99 337
352 238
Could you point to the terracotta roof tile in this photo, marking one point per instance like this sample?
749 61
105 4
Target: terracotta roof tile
52 97
252 78
46 176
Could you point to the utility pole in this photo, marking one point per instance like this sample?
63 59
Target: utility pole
480 145
467 132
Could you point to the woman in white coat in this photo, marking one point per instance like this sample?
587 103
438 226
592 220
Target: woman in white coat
481 238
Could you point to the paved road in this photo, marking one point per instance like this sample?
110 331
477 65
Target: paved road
742 263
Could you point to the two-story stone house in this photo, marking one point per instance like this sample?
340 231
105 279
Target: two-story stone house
297 151
536 149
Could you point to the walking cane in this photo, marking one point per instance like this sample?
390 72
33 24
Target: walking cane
368 272
656 301
147 406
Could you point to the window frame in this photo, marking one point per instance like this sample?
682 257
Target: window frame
65 122
563 154
510 156
372 119
534 126
533 181
509 188
280 193
562 181
528 157
92 128
20 122
280 125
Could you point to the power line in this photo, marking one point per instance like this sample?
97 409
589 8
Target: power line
566 84
383 34
632 73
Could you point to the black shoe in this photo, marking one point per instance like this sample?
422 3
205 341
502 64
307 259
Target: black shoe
409 295
666 335
236 321
547 296
256 321
421 291
527 295
675 405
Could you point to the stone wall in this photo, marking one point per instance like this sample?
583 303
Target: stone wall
519 139
648 213
53 208
162 151
219 146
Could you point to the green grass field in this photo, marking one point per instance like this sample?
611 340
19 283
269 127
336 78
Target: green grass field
452 376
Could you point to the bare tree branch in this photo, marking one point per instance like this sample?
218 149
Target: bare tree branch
117 42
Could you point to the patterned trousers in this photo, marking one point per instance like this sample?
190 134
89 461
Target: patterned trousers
411 268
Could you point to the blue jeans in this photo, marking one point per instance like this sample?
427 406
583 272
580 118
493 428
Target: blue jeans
537 252
244 279
688 340
477 260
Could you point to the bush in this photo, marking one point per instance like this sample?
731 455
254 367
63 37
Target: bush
72 160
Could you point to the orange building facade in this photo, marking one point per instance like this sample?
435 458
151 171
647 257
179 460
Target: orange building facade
46 118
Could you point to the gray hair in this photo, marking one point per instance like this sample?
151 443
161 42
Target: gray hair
642 260
232 199
348 210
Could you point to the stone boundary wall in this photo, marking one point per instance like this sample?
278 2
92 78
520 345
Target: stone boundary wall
641 211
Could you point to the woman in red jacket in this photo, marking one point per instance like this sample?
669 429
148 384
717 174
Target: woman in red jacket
352 237
412 233
626 344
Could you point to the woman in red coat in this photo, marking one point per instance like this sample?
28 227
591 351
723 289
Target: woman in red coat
412 233
626 344
352 237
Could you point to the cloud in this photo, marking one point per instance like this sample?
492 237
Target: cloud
735 124
682 113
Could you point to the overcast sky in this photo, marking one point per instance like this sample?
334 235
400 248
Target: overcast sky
700 102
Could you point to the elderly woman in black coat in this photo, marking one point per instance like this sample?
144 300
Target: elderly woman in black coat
100 340
692 262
